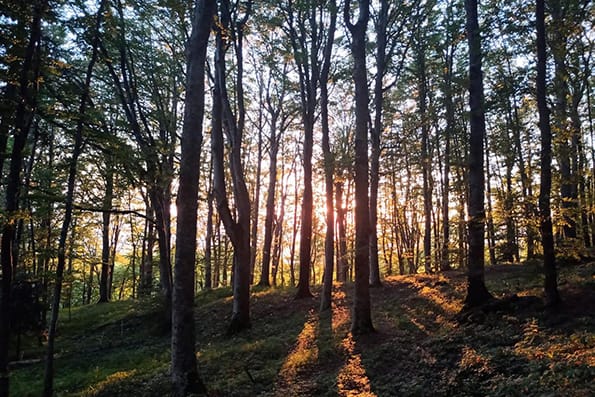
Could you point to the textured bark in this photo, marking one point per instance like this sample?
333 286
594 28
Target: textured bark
361 318
185 378
477 292
552 296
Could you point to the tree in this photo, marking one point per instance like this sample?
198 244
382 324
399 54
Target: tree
25 110
48 389
477 292
547 236
329 240
362 318
305 27
230 31
185 378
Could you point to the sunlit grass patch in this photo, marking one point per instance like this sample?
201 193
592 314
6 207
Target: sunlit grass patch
305 350
352 379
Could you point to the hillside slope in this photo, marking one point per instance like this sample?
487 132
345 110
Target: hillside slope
421 346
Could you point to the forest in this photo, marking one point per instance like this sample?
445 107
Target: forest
297 198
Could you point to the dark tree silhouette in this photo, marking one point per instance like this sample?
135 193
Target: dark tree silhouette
552 296
477 292
362 316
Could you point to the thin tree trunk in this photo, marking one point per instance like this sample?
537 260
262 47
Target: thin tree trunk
425 155
329 239
48 381
490 215
375 133
185 377
104 294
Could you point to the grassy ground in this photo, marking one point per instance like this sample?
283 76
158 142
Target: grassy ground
421 346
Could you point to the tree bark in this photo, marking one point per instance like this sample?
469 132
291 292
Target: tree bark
105 276
477 292
375 132
185 377
25 108
238 228
48 384
362 318
552 296
329 238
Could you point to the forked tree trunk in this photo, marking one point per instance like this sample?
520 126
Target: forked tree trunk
236 227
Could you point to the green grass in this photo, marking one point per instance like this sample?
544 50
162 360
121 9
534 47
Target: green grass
118 349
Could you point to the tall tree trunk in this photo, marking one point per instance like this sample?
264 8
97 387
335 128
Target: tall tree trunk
256 202
566 135
294 232
450 123
477 292
425 154
25 109
362 318
48 381
185 378
329 167
238 229
375 132
552 296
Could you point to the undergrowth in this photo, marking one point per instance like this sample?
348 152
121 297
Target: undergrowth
118 349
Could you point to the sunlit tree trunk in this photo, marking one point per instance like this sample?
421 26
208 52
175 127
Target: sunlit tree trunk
329 240
342 265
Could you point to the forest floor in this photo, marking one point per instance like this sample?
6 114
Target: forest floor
421 346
